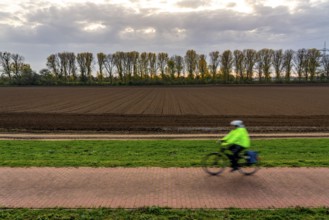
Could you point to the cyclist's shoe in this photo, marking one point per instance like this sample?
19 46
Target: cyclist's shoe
234 169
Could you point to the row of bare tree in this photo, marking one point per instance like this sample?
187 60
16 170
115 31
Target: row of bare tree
249 64
124 67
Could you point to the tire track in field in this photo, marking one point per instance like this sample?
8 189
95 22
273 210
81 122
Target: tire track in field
129 102
149 103
116 102
145 101
93 107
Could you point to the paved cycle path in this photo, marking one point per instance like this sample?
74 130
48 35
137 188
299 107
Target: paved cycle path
165 187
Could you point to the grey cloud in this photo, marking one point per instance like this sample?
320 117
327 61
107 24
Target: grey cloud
61 23
204 31
302 26
3 15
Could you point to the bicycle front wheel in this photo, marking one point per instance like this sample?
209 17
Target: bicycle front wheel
214 163
247 168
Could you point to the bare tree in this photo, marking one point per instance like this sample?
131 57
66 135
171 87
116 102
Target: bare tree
64 64
191 61
119 63
152 58
259 65
179 64
109 64
203 66
239 64
143 64
17 64
250 56
53 64
82 66
71 68
133 59
226 64
127 66
89 62
162 63
171 67
85 61
134 62
265 58
101 59
314 58
5 59
300 62
287 63
325 63
277 60
214 63
306 67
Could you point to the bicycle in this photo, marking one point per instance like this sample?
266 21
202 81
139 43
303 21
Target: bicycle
216 162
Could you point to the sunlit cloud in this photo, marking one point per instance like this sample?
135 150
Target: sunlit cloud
40 27
147 30
176 34
158 6
91 27
12 22
64 3
291 5
131 33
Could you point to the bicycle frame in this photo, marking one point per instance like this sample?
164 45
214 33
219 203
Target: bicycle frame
223 151
217 165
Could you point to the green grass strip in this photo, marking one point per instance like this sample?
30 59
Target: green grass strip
155 153
165 213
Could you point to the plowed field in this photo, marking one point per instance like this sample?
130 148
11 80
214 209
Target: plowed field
172 109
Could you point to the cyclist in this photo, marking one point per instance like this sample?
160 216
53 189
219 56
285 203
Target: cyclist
237 140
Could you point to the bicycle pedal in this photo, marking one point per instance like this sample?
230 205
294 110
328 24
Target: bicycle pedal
233 169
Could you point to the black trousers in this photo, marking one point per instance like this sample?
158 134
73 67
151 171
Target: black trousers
236 149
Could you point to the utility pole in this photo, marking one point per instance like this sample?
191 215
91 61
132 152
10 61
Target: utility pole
325 60
324 50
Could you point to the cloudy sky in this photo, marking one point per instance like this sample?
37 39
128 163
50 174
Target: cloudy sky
38 28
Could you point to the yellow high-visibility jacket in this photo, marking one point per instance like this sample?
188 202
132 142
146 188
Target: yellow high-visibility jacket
238 136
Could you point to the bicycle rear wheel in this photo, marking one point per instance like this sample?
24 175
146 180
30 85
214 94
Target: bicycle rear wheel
214 163
247 168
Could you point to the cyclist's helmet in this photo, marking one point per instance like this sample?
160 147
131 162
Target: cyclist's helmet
237 123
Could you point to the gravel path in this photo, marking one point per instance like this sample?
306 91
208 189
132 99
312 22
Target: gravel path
82 136
165 187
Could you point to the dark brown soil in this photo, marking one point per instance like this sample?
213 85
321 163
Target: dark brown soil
164 109
151 124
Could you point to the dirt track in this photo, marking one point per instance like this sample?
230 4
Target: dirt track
81 136
165 187
158 124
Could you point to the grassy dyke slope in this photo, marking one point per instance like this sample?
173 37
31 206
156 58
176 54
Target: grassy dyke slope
155 153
